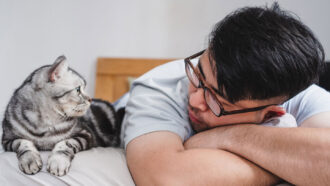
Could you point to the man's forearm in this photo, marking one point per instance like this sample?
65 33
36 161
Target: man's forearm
159 159
298 155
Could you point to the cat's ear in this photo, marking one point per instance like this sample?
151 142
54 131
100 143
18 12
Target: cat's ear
57 70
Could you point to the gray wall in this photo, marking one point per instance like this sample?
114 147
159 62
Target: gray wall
35 32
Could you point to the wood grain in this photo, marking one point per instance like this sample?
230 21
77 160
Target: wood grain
112 75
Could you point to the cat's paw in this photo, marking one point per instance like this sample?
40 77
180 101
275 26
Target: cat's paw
29 162
58 164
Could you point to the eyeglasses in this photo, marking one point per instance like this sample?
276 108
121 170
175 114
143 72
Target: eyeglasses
209 92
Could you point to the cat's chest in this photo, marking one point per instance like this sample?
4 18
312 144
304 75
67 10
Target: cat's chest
47 123
58 127
53 129
52 134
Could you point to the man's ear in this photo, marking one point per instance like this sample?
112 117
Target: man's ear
59 67
271 111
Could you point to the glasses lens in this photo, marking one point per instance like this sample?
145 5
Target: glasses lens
191 75
212 102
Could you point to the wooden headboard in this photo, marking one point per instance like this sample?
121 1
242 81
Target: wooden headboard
113 74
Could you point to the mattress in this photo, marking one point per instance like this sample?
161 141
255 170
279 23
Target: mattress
97 166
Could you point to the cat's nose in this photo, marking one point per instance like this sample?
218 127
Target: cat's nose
88 99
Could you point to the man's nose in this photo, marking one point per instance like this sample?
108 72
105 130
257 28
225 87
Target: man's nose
197 100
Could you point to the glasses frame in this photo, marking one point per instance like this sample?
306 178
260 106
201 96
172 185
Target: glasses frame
205 86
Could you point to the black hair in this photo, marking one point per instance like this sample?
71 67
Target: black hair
260 53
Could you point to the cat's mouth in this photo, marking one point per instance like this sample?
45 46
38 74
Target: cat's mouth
81 109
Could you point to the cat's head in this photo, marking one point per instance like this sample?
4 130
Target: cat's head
61 88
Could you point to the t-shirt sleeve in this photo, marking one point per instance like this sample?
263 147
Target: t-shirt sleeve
312 101
150 109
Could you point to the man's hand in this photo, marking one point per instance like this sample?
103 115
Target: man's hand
281 151
212 138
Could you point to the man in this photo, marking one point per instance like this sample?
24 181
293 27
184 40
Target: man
260 63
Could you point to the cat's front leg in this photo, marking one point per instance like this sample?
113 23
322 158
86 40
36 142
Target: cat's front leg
60 160
28 156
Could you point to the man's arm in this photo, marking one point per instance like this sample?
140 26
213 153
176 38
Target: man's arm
159 158
298 155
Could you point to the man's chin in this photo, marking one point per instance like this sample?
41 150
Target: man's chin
197 127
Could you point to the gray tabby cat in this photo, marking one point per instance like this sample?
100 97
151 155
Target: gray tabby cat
50 111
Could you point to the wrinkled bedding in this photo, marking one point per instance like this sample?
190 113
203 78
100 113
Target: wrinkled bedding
97 166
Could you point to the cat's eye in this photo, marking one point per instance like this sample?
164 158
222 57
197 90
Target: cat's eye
78 89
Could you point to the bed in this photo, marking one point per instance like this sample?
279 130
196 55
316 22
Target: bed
97 166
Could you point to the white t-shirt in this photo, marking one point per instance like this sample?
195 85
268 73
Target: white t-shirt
158 102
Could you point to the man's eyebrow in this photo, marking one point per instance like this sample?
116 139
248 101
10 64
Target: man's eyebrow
215 90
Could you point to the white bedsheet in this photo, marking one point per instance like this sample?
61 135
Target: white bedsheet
97 166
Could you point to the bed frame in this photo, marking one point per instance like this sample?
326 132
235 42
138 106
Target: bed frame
113 75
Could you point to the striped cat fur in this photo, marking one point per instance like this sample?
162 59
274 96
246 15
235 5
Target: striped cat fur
51 111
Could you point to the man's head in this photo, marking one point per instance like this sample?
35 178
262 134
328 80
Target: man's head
256 57
259 53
